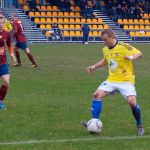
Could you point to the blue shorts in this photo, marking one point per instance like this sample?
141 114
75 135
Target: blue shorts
22 45
4 69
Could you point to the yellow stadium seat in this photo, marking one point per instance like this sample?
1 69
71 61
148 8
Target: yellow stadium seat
66 26
60 14
147 33
54 20
77 8
72 33
47 33
43 8
125 27
90 33
77 20
95 33
49 8
55 8
61 26
141 21
43 20
136 21
88 20
142 33
72 26
94 20
37 14
131 27
137 34
142 27
66 14
36 20
43 13
72 20
48 26
49 14
71 14
147 27
130 21
94 26
55 14
48 20
42 26
125 21
145 16
100 26
132 33
25 7
66 33
106 26
146 21
77 26
136 27
66 20
72 8
77 14
82 20
20 2
119 21
31 14
100 20
78 33
60 20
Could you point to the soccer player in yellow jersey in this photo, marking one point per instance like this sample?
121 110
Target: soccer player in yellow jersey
118 57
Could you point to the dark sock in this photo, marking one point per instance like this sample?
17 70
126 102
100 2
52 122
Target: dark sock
137 114
18 56
3 92
30 56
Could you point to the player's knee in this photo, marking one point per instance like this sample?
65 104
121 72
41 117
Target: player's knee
6 83
96 95
132 101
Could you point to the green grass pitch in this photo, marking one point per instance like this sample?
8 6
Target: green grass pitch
47 103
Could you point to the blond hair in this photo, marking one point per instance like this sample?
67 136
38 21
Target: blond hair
109 32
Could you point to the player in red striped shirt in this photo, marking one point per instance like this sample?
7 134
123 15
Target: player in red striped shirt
21 41
4 70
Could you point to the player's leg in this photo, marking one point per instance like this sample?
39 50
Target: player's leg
5 83
17 55
129 93
136 113
30 56
11 51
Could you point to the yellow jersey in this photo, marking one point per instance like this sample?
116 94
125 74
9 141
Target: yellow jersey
7 26
120 69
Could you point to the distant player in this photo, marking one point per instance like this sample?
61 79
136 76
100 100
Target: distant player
118 57
4 71
21 41
8 27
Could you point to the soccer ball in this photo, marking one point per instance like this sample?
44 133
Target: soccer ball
94 126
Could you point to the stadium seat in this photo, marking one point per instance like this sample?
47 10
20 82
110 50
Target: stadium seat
55 8
94 27
54 20
43 8
90 33
89 20
137 34
31 14
147 27
42 26
135 21
55 14
77 26
131 27
125 21
77 8
132 33
49 14
72 20
60 20
66 20
141 21
142 27
36 20
66 26
77 20
66 33
77 14
72 8
43 20
60 14
48 20
94 20
147 21
25 7
78 33
43 14
106 26
48 26
130 21
136 27
49 8
125 27
66 14
147 33
99 20
83 20
20 2
95 33
61 26
145 15
72 26
72 14
119 21
100 26
37 14
47 33
72 33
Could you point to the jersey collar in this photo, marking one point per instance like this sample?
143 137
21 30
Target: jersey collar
114 45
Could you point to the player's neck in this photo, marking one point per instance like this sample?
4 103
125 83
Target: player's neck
114 43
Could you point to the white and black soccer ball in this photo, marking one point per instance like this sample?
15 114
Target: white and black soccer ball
94 126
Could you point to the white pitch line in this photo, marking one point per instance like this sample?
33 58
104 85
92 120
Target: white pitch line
75 140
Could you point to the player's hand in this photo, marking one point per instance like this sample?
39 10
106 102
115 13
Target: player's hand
128 57
90 69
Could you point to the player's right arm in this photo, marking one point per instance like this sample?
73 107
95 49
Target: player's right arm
101 63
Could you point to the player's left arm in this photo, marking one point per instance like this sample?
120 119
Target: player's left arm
132 53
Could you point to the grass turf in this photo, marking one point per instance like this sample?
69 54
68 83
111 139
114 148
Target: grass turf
48 102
